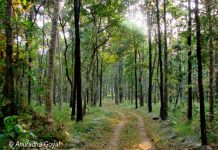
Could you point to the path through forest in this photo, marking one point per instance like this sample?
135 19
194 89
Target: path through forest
145 143
114 142
127 131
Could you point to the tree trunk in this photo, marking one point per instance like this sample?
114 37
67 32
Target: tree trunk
200 82
92 88
97 78
120 86
116 90
136 84
101 78
163 113
165 64
150 63
52 60
9 91
73 102
77 68
216 71
211 67
141 97
61 73
87 85
189 38
28 44
54 90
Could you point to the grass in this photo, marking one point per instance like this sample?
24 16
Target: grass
59 115
177 132
92 133
129 135
96 129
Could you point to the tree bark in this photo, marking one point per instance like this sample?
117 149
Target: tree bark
120 86
116 90
211 67
61 73
165 64
101 78
136 84
150 63
54 90
9 91
189 38
77 67
163 112
200 82
141 97
28 44
51 70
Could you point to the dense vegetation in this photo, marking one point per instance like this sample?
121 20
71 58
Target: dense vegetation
63 63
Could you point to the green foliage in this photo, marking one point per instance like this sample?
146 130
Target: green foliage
96 128
14 131
10 123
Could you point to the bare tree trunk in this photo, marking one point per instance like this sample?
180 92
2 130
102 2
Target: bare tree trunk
189 38
28 49
97 78
165 64
92 88
200 82
216 71
9 91
120 86
52 60
61 73
101 78
141 96
116 90
87 85
211 67
73 102
150 63
54 90
77 68
163 113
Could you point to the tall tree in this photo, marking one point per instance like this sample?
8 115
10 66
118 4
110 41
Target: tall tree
8 92
101 80
61 73
211 57
136 84
51 66
77 67
200 82
189 38
163 114
150 62
165 63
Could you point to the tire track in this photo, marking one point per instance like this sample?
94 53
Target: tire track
145 143
114 142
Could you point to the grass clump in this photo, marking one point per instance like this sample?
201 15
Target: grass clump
95 130
129 135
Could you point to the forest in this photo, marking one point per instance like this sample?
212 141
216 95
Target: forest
109 74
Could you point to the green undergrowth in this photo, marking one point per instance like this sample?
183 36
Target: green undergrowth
129 135
59 115
94 131
30 126
177 132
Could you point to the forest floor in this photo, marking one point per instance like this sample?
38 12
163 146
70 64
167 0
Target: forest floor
122 127
125 130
